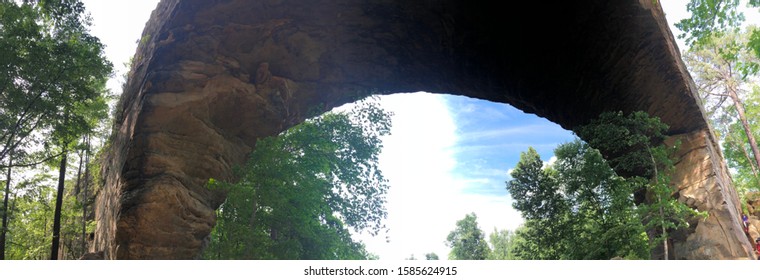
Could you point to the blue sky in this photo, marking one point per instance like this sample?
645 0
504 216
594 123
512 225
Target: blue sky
447 156
491 137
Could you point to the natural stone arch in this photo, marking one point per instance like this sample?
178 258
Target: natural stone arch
211 77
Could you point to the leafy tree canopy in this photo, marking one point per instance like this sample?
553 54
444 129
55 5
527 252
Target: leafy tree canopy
579 208
467 241
713 18
301 192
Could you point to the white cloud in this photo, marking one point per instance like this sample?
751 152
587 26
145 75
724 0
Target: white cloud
519 146
504 133
425 200
416 160
550 162
119 25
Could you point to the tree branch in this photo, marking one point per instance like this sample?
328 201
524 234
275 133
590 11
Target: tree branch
32 163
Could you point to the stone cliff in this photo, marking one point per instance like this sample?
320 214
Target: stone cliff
753 207
211 77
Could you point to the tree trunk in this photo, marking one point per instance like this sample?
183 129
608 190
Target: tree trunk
659 201
84 190
751 137
77 189
58 206
4 229
77 186
664 232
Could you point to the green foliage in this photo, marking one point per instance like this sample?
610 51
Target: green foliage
52 81
144 39
603 210
715 18
53 74
716 75
634 142
579 208
71 225
467 241
31 220
431 256
539 198
736 147
625 140
534 190
709 17
502 243
301 192
597 219
540 240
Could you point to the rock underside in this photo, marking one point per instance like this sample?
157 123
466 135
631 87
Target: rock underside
211 77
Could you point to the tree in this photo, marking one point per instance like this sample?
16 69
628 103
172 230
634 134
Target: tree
603 213
717 66
594 215
502 243
635 144
30 219
4 228
78 116
533 189
31 215
736 149
431 256
538 197
51 83
467 241
301 192
579 207
83 185
713 18
722 58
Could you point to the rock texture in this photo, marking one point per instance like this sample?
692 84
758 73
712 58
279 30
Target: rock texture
753 206
703 183
211 77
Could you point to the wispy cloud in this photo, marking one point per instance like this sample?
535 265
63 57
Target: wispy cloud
521 146
443 163
533 130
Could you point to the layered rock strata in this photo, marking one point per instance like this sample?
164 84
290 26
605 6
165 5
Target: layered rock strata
211 77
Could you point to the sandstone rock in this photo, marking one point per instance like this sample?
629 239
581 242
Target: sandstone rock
214 76
703 184
752 200
753 203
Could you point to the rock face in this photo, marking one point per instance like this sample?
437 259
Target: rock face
753 206
702 181
211 77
